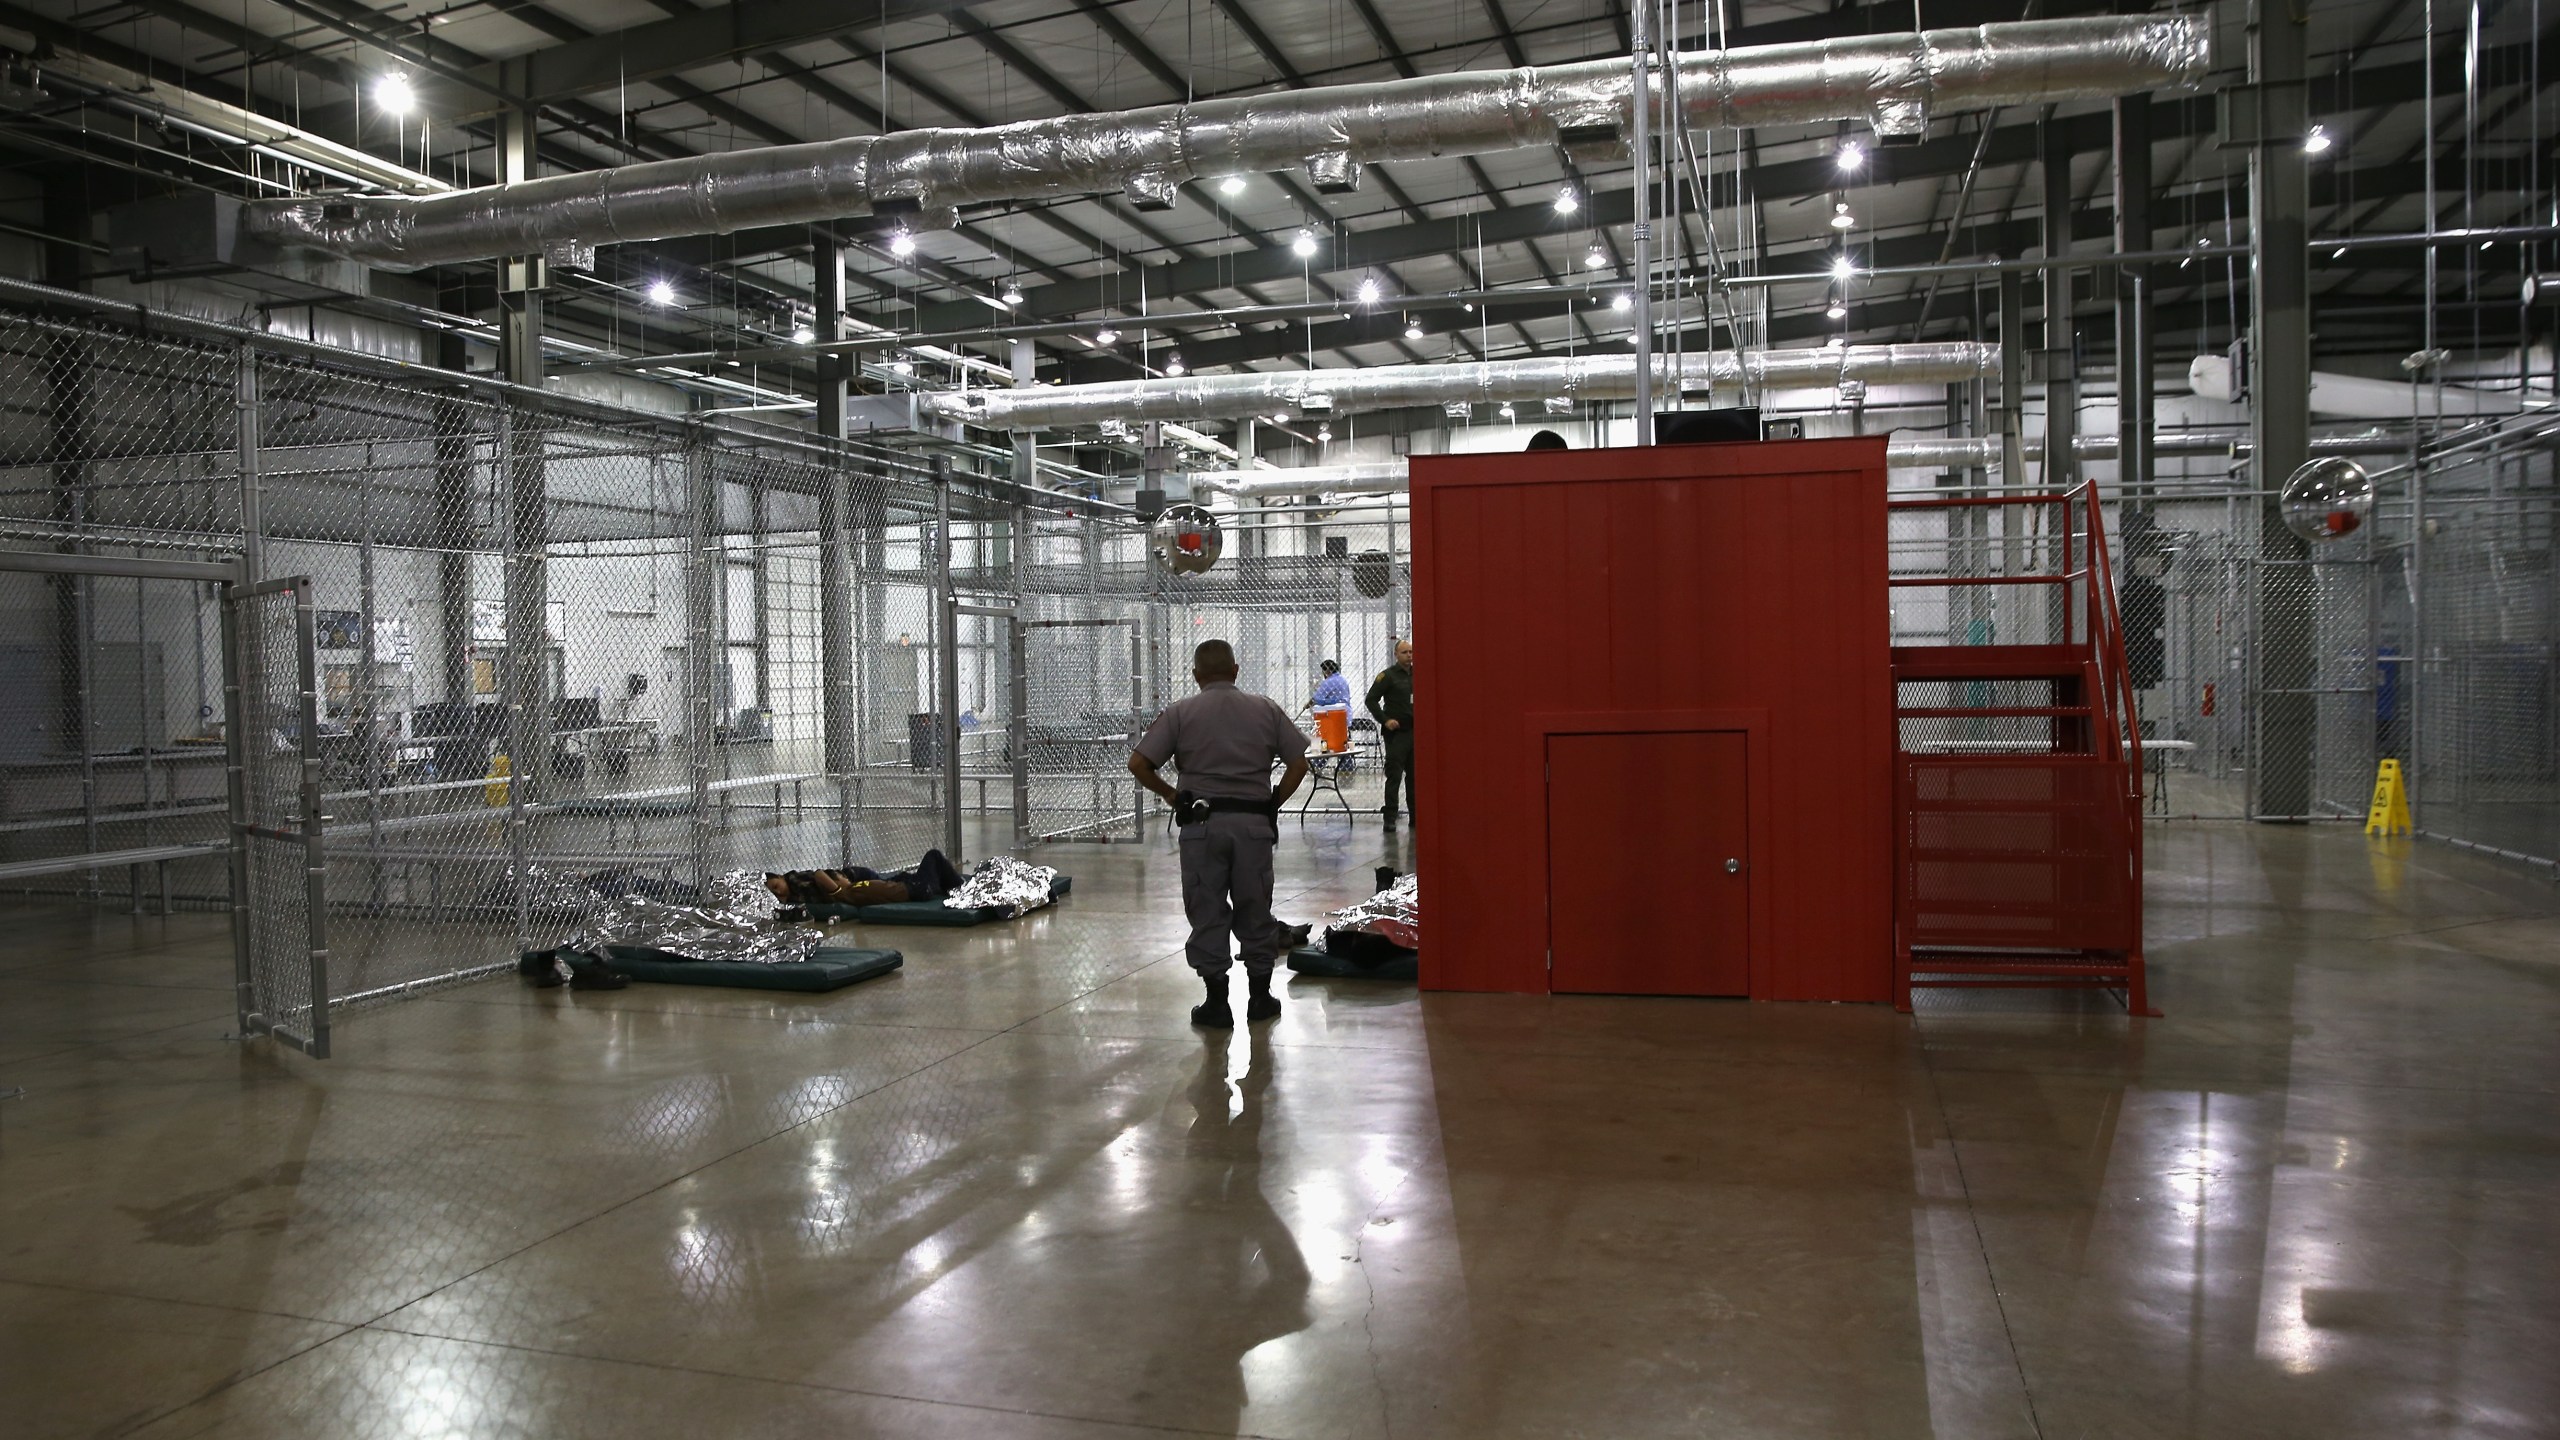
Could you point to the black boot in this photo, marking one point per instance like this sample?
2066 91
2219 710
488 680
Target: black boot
1212 1013
1262 1004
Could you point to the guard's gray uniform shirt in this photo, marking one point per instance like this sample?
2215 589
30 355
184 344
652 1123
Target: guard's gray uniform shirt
1223 741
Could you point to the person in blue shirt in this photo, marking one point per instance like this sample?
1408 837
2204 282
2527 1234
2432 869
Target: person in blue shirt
1332 692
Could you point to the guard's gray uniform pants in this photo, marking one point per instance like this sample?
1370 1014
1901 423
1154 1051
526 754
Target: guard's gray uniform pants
1226 888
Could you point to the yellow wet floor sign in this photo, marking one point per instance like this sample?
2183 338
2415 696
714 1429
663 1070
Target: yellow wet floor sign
2389 813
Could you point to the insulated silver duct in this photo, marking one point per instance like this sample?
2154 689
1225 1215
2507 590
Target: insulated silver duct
1983 452
1928 452
1893 82
1317 393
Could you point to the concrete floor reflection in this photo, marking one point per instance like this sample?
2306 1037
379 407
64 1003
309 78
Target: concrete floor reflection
1009 1192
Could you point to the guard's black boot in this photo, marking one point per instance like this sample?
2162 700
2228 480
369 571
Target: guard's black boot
1212 1013
1262 1004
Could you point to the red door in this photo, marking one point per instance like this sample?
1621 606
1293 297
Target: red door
1648 864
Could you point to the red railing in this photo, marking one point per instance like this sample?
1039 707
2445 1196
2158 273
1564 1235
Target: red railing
2025 868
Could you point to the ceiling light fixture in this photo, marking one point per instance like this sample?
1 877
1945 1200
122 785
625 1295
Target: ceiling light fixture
1173 364
1232 185
1837 311
1622 302
1369 290
1567 202
393 95
1106 336
661 293
1841 219
1280 417
1413 329
902 244
2318 141
1012 293
1324 432
1843 268
1508 413
1595 258
903 365
1304 245
1851 156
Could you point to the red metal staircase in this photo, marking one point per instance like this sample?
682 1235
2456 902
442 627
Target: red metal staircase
2018 846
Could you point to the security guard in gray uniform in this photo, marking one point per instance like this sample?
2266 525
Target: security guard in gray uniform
1222 741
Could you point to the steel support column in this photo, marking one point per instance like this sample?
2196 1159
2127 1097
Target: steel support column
2136 345
2061 337
839 686
526 526
2280 412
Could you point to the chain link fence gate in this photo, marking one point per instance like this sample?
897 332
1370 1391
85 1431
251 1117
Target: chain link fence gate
279 846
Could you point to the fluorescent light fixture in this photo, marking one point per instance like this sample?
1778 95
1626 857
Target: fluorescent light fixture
392 95
1304 245
661 293
1843 269
1567 202
1369 290
1622 302
1232 185
1851 155
902 244
2318 141
1106 336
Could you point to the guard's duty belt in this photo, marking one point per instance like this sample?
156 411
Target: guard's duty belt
1192 809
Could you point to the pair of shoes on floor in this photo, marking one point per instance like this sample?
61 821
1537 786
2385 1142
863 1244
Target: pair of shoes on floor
1214 1013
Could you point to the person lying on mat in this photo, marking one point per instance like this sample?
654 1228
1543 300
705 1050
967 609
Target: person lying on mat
933 877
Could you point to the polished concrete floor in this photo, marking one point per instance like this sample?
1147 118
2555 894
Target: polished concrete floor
1010 1193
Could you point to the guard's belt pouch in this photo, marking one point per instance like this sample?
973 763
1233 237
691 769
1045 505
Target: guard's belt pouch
1190 809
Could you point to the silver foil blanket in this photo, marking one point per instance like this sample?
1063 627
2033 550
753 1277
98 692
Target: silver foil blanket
1015 886
1395 912
733 922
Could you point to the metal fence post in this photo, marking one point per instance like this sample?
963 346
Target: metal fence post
840 696
701 617
947 659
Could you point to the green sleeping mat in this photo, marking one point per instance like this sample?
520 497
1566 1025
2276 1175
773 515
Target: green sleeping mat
1317 961
925 912
829 968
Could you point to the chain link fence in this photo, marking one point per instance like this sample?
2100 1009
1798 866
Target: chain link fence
549 638
2471 652
1301 584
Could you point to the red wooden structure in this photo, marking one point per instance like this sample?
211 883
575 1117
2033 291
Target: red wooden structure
2018 857
1667 745
1635 668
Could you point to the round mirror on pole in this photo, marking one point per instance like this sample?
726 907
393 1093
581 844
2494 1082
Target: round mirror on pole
1186 539
2327 499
